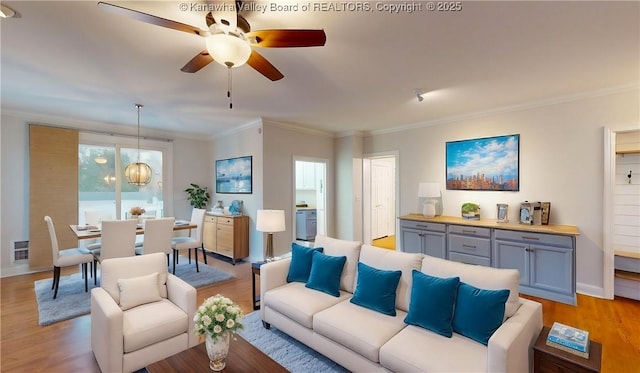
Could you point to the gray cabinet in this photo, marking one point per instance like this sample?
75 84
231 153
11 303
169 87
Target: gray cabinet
422 237
546 262
471 245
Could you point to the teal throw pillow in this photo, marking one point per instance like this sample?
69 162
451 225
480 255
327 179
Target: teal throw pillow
432 301
376 289
300 266
479 313
326 272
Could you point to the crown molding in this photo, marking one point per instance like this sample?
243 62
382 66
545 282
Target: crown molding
297 128
512 108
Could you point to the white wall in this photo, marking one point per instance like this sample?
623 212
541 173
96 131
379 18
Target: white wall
349 187
281 145
561 160
243 142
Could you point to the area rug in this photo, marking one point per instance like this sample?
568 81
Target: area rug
287 351
72 301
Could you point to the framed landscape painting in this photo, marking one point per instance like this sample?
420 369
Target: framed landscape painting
233 175
490 163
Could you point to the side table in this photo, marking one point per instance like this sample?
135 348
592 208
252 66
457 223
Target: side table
255 270
551 359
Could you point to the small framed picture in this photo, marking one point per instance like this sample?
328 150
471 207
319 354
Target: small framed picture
526 213
503 213
546 210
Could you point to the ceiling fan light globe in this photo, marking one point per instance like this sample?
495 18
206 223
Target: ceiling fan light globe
138 173
228 49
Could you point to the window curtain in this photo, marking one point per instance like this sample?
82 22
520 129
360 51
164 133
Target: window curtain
53 190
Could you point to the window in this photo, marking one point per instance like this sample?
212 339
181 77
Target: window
104 194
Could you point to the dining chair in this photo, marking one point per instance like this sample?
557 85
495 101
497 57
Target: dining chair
66 258
118 241
95 217
158 234
193 241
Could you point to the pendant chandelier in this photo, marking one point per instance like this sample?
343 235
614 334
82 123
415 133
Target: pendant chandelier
138 173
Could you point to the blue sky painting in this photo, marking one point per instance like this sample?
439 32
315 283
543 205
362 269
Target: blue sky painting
490 163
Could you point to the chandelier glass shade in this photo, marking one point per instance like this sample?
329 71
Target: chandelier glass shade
228 49
138 173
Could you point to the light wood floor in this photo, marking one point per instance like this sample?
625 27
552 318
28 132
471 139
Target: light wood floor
66 346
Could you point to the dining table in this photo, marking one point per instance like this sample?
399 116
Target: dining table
84 232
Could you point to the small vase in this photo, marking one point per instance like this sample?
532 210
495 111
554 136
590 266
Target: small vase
217 351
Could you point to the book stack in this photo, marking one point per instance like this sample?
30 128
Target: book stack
569 339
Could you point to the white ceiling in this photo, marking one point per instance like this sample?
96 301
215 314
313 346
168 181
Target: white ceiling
72 59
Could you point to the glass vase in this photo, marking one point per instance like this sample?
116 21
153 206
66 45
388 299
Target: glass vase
217 351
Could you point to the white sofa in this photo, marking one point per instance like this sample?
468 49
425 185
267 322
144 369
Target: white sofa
140 313
363 340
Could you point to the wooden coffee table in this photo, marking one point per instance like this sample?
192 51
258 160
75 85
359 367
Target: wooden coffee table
243 357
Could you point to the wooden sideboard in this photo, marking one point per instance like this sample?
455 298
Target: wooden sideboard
227 236
545 255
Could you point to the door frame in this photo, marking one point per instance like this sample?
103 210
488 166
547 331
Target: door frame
326 192
367 193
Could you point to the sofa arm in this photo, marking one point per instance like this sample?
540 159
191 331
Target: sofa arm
183 295
510 348
272 275
107 341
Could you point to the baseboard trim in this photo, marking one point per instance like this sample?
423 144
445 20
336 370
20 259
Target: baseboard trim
590 290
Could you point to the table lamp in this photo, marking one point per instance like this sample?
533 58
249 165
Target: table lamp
429 191
270 222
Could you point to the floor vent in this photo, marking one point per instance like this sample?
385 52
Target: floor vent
19 251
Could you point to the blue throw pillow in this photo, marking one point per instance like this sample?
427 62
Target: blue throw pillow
300 266
325 273
432 301
479 312
376 289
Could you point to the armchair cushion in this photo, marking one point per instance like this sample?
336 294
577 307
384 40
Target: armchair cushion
139 290
151 323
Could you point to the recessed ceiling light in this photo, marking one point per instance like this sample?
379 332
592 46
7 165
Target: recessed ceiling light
6 12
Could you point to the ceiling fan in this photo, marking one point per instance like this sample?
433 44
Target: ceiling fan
229 39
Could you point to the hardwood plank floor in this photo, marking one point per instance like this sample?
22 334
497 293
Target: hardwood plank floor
66 346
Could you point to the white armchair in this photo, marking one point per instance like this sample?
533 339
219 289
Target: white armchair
140 313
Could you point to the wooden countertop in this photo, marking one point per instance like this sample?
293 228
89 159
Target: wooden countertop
567 230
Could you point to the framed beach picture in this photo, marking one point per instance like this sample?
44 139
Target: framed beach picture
489 163
233 175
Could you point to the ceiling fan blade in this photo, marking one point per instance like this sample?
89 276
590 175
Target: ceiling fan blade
201 60
154 20
286 38
263 66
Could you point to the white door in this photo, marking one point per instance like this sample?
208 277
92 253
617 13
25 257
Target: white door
382 197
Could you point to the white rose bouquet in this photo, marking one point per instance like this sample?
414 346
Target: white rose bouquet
216 316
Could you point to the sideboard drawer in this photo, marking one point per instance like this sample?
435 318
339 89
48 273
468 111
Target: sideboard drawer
539 238
470 231
470 259
423 225
209 219
225 221
470 245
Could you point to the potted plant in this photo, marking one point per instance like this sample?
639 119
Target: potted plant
198 196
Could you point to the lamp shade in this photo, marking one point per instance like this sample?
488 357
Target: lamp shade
429 190
138 173
270 221
228 49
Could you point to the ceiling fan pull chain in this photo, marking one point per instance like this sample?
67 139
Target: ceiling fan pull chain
229 87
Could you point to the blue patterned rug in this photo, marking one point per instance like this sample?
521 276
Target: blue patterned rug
287 351
72 301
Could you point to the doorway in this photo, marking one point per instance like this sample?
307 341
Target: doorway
380 194
310 199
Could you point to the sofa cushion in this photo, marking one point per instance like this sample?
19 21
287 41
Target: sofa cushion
151 323
480 277
350 249
359 329
139 290
376 289
326 272
394 260
298 303
478 313
415 350
300 266
432 302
